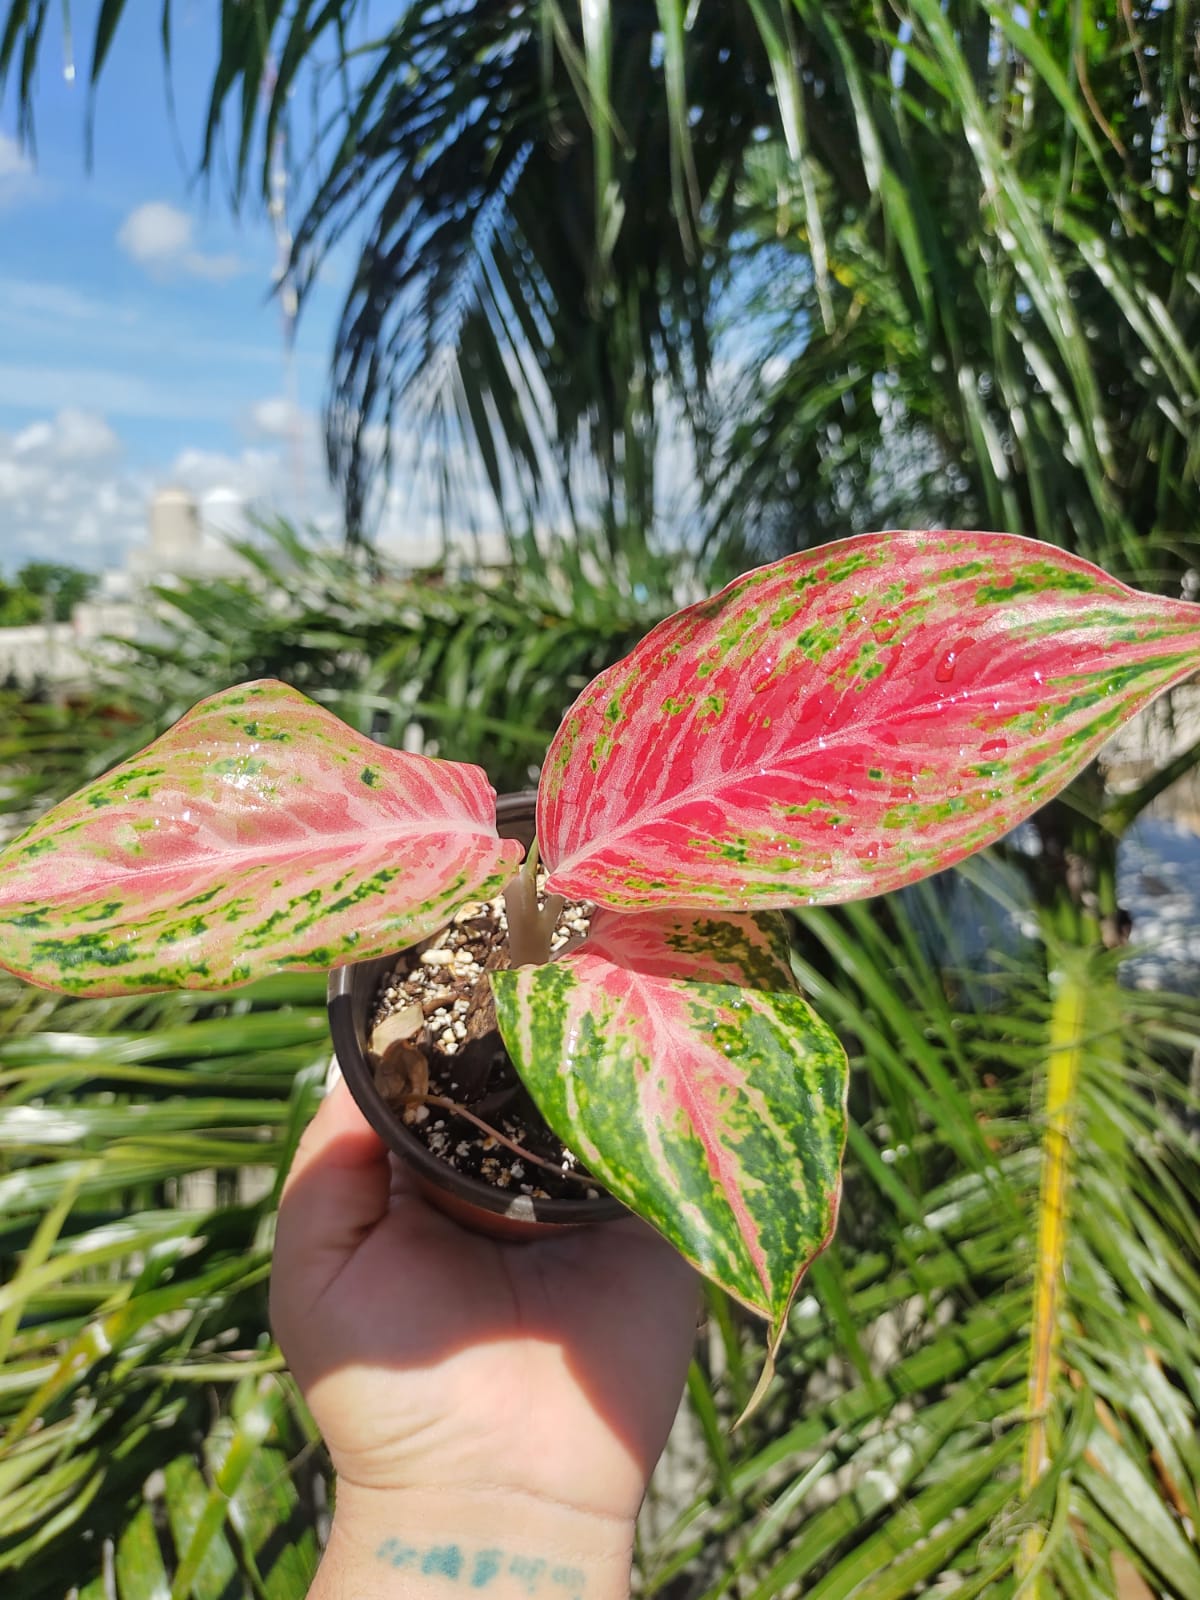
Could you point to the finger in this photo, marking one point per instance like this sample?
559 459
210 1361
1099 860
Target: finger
337 1189
402 1182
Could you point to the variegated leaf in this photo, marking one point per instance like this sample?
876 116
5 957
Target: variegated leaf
676 1057
848 720
258 832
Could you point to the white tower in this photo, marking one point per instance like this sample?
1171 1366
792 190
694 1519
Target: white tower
174 530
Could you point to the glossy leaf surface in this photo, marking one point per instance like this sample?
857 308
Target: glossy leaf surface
258 832
676 1057
848 720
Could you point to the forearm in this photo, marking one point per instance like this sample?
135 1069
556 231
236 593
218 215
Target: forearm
419 1545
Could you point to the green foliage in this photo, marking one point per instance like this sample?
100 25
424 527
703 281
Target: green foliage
18 606
137 1143
140 1142
59 588
47 744
888 1453
146 1422
471 669
999 248
43 591
932 265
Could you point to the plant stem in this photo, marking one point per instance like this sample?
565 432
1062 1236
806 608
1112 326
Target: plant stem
444 1103
530 926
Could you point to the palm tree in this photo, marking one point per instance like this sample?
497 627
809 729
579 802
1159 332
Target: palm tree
977 219
523 281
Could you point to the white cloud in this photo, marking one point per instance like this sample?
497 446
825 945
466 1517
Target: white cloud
159 237
277 417
73 435
22 298
155 233
284 478
14 163
281 472
16 171
66 488
65 493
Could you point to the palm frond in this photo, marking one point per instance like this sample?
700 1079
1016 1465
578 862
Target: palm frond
982 228
1025 227
147 1429
939 1413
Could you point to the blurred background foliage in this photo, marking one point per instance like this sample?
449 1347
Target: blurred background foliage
695 284
43 591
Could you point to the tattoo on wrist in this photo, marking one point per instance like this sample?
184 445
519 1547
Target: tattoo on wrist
479 1568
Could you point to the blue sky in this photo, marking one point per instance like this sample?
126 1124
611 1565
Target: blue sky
139 341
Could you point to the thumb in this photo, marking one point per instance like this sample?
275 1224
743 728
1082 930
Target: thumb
337 1189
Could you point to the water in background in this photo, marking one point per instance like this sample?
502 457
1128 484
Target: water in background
1158 883
976 918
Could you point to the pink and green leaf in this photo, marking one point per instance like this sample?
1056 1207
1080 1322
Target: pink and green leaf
848 720
676 1057
258 832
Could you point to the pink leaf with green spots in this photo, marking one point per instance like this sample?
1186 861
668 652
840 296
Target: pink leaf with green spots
258 832
848 720
676 1057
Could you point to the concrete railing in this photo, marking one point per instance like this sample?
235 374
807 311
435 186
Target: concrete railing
58 652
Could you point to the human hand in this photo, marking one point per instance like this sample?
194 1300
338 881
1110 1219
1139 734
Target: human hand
472 1386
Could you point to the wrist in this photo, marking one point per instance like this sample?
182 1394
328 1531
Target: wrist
491 1542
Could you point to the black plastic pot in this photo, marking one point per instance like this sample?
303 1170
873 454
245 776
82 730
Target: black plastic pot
468 1200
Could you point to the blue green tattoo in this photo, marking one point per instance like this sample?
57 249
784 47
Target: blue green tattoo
476 1569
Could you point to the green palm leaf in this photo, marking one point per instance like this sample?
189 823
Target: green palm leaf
978 220
913 1433
136 1217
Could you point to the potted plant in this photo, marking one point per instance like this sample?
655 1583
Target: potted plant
377 1073
829 727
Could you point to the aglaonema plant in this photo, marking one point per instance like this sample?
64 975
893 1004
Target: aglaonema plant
833 726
